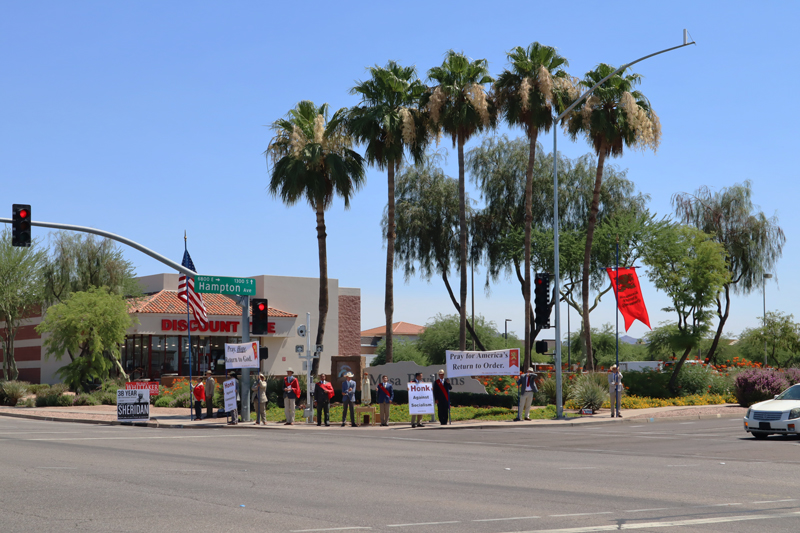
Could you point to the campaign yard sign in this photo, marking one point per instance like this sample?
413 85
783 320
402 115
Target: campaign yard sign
420 398
492 363
152 386
241 355
229 394
133 405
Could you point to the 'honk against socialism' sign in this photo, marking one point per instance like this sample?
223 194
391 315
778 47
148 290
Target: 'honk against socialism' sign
493 363
241 355
420 398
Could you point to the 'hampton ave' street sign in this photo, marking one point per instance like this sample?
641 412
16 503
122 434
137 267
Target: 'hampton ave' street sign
220 285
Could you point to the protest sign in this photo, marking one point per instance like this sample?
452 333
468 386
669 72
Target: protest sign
493 363
420 399
133 405
241 355
229 388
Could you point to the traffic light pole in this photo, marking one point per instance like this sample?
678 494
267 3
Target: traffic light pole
244 383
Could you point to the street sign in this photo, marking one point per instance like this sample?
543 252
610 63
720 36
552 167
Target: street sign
299 348
319 348
222 285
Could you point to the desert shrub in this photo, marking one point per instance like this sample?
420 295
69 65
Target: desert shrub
33 389
162 401
12 391
111 385
721 384
792 375
85 399
65 400
647 383
588 394
756 385
105 398
547 389
181 400
693 379
27 402
48 396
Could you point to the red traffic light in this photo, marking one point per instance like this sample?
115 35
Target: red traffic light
262 306
23 213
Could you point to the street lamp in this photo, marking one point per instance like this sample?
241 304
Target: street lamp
506 334
764 293
556 277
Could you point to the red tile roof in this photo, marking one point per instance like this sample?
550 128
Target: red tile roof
398 328
167 302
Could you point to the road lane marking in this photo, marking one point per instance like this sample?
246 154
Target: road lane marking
673 523
330 529
56 467
143 438
716 505
454 470
778 501
578 514
648 510
499 519
579 468
424 524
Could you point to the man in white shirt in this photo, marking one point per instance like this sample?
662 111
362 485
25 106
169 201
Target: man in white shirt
527 388
615 389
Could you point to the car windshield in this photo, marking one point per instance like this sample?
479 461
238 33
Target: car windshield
792 393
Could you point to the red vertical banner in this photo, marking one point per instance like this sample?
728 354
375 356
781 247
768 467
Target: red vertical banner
629 296
513 357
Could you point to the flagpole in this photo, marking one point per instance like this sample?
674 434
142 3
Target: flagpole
189 333
616 297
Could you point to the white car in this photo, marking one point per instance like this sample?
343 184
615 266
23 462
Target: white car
779 416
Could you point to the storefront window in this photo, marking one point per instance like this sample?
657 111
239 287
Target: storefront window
170 356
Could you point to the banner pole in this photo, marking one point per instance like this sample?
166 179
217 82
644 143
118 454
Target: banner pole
189 333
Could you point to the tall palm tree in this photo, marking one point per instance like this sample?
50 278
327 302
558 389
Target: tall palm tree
460 106
613 117
312 159
388 121
526 95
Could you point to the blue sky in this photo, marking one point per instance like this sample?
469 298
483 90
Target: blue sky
150 118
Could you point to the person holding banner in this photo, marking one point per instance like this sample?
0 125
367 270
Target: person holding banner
232 375
323 392
385 398
615 389
260 388
291 392
416 420
210 386
527 388
199 392
349 399
441 395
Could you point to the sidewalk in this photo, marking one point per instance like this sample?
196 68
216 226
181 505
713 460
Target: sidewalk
164 417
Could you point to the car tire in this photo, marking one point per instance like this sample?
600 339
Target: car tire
759 435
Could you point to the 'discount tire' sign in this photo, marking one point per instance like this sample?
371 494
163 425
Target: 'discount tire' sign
133 405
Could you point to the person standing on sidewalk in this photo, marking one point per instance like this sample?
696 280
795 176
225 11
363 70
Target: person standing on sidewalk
416 420
260 388
199 392
385 398
238 409
291 392
527 388
441 396
323 392
349 399
210 386
615 389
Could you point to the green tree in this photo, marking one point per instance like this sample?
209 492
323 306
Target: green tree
779 334
442 334
405 350
389 123
526 95
427 225
754 243
79 262
21 293
460 106
689 266
89 327
312 160
613 117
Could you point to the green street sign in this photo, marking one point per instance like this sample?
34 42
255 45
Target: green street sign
220 285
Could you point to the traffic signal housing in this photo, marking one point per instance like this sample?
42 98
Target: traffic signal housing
541 300
21 225
259 313
541 346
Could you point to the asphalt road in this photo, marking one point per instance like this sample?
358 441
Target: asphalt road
671 476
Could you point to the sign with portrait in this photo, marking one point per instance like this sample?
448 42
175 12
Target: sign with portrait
133 405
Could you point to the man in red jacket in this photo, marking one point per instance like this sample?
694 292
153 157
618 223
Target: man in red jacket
199 395
291 392
323 392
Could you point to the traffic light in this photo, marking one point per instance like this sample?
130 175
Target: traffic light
259 312
541 283
541 346
263 353
20 225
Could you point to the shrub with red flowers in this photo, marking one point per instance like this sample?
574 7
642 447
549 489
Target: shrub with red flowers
757 384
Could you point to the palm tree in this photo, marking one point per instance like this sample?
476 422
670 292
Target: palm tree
525 96
459 106
613 117
312 159
389 122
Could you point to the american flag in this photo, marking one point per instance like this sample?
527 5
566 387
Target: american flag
195 299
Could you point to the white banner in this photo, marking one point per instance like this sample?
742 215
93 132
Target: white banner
133 405
229 393
241 355
420 398
494 363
